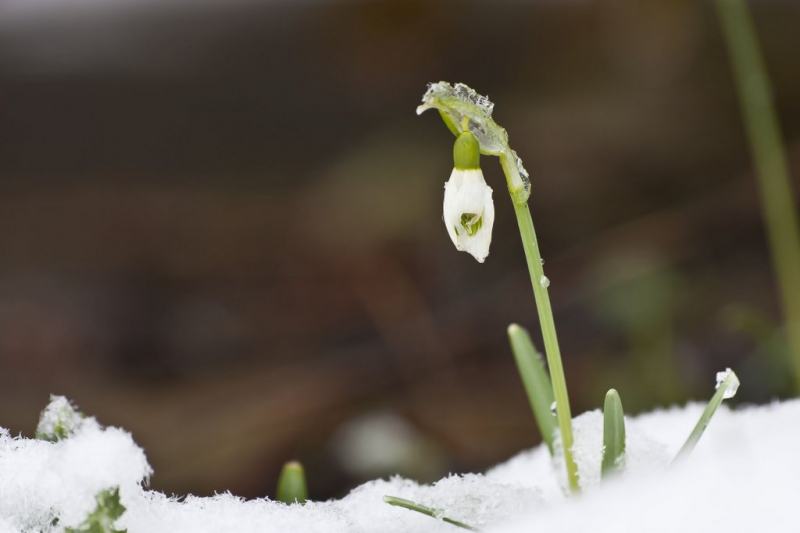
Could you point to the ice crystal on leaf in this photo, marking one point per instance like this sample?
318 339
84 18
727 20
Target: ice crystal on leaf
733 385
464 109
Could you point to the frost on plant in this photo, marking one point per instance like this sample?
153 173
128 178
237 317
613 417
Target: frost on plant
59 420
733 383
727 385
463 109
105 514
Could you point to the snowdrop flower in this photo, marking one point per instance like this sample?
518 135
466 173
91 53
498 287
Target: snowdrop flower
468 206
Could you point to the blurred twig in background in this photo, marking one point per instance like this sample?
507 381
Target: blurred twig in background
763 132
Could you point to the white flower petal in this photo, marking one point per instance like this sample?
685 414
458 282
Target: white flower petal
466 194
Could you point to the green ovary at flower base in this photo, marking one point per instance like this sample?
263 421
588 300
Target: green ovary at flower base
469 216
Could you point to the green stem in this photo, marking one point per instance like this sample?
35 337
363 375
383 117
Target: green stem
545 311
755 98
429 511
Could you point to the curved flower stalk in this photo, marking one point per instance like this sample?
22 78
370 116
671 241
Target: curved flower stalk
468 115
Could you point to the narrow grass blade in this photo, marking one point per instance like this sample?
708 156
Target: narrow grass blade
536 381
292 484
727 385
435 513
769 154
613 434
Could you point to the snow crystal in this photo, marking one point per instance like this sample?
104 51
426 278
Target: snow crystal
463 104
733 383
463 107
741 477
460 91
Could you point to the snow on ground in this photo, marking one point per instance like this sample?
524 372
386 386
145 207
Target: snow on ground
743 476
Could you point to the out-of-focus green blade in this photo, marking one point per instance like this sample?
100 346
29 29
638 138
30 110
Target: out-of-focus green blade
613 434
292 483
536 381
429 511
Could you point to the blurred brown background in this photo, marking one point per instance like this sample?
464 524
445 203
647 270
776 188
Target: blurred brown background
220 225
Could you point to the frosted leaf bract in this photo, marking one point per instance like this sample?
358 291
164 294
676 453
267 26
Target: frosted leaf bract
463 108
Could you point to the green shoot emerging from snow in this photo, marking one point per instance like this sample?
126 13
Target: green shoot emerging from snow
435 513
536 382
292 484
613 434
59 420
102 519
727 385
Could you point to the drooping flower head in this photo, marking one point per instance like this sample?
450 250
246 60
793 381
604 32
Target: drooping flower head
468 207
463 109
468 210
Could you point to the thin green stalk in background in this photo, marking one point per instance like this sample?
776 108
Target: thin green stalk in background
763 133
613 433
727 385
545 311
536 382
435 513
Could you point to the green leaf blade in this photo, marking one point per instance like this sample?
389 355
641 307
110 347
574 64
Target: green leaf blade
727 385
613 434
428 511
536 382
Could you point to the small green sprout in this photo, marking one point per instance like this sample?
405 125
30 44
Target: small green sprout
536 381
59 420
429 511
727 385
292 484
613 434
102 519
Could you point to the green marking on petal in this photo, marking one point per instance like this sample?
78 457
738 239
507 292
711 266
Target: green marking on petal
471 222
